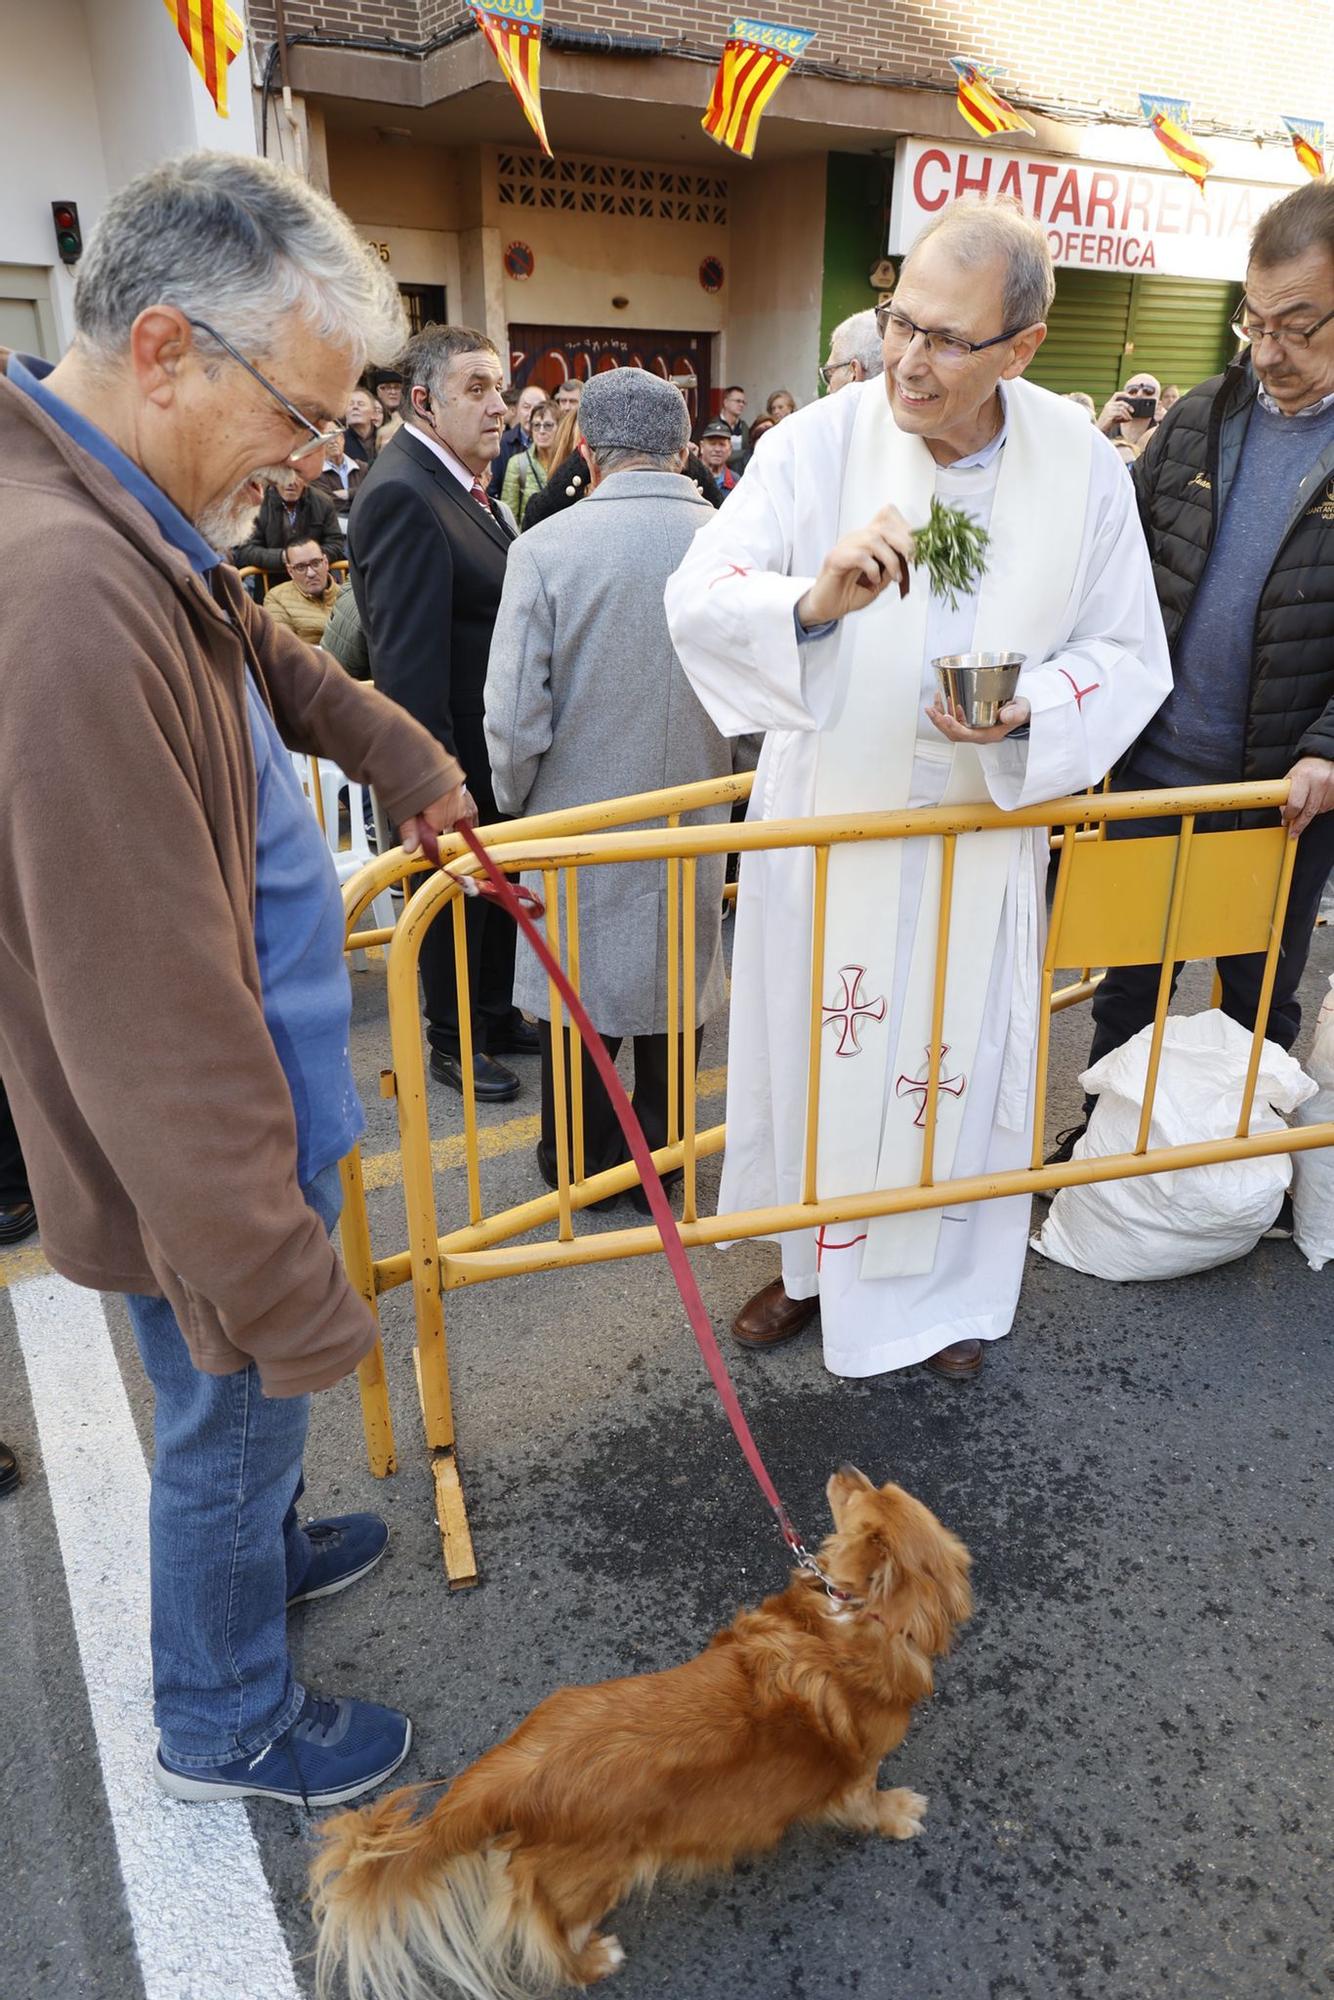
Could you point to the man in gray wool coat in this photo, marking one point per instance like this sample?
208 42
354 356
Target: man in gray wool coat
585 700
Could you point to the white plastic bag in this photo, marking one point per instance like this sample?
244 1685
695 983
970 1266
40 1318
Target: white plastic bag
1313 1172
1168 1225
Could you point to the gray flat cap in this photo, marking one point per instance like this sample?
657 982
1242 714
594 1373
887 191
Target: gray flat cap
627 409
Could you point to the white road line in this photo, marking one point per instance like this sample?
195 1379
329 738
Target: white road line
203 1915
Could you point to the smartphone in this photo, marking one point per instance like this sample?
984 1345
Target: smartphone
1142 406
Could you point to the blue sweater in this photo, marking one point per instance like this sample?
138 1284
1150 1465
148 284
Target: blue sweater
1198 736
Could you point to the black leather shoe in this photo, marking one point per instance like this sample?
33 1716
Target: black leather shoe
519 1039
17 1222
9 1470
493 1083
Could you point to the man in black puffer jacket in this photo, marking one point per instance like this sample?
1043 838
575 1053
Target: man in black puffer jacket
1236 493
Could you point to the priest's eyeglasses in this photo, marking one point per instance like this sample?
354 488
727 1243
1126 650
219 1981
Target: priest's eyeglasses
1250 333
894 325
323 440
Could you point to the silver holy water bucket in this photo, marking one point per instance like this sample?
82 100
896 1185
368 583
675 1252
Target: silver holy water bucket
978 683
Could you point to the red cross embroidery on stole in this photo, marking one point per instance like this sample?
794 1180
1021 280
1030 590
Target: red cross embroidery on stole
733 569
821 1246
1092 688
953 1086
850 1010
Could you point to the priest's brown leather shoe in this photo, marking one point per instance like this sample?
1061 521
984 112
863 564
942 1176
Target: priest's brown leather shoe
771 1317
958 1362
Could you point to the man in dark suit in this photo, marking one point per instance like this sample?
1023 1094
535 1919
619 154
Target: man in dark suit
428 550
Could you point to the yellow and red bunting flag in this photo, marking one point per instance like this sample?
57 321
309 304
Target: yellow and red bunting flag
982 107
1168 118
514 30
1308 143
214 37
757 57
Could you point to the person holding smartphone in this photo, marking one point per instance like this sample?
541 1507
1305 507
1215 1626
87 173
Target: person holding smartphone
1131 415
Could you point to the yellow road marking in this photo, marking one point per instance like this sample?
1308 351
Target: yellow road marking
385 1170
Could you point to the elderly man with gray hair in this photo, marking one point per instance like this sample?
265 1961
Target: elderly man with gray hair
174 1011
856 352
785 621
585 700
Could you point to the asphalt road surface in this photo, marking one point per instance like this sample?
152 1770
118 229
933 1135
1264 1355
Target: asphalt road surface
1127 1758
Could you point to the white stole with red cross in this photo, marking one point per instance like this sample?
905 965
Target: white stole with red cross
872 1097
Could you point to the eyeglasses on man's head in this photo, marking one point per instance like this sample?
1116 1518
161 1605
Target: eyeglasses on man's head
896 326
1250 332
828 370
317 438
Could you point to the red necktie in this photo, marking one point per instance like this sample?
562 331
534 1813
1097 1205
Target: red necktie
478 492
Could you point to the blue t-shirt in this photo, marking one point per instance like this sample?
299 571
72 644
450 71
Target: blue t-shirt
304 986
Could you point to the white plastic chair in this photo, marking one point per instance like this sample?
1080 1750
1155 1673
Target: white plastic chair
324 784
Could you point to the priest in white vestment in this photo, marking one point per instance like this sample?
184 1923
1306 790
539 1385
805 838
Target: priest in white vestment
790 615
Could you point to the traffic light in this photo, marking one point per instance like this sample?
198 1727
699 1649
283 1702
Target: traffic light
69 236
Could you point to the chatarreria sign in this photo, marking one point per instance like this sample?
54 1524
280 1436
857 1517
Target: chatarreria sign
1097 217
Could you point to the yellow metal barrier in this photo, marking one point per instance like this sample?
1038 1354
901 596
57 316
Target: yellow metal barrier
1154 900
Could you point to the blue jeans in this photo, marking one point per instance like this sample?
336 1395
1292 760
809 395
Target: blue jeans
225 1547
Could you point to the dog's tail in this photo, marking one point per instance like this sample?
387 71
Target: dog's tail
397 1896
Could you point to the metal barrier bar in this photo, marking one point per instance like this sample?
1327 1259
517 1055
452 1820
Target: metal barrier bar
463 992
935 1055
354 1237
570 877
1167 977
558 1046
689 891
481 1267
815 1052
1266 996
673 993
1047 1001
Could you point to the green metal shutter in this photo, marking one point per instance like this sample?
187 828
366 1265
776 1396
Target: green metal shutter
1086 334
1180 329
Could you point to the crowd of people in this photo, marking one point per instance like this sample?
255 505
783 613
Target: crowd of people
177 1120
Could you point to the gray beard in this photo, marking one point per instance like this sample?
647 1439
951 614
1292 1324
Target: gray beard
232 519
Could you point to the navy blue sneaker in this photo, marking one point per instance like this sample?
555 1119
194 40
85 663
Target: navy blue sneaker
334 1751
343 1549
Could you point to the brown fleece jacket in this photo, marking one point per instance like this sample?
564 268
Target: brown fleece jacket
154 1115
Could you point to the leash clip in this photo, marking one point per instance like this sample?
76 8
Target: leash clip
805 1560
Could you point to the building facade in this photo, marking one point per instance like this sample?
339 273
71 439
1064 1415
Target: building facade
642 239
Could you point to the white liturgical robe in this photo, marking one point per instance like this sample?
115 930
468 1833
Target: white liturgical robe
1068 585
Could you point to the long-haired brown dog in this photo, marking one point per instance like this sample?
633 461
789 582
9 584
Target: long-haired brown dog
785 1717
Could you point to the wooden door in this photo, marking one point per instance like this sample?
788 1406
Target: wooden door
550 354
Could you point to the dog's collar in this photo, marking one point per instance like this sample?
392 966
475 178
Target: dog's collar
840 1599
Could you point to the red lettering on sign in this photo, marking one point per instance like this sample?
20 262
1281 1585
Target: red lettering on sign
1102 195
1139 194
966 183
1042 171
1149 261
1067 200
1012 182
1106 249
938 161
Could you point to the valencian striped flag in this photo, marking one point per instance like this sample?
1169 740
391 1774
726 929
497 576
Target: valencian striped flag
757 58
214 37
1168 118
514 30
979 105
1308 143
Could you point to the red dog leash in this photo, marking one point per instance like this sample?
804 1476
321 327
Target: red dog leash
522 904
